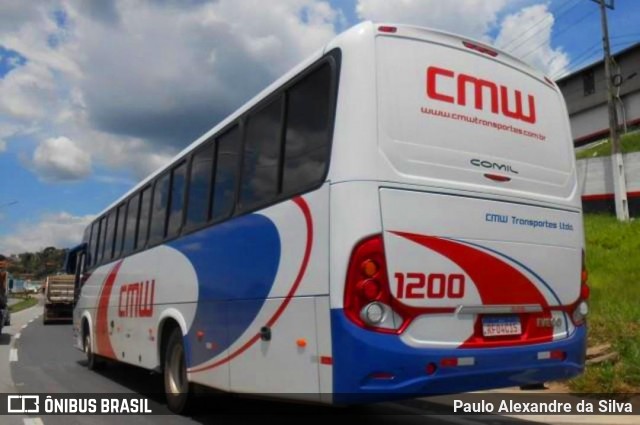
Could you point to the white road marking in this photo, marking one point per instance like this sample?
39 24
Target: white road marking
30 320
13 355
17 336
23 326
33 421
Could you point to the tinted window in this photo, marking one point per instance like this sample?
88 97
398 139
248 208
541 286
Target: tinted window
145 210
101 238
109 234
226 170
130 230
199 182
159 209
92 243
261 156
117 247
307 131
589 82
178 180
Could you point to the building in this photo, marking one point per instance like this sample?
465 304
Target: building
585 92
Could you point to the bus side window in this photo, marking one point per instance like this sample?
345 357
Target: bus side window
117 248
130 228
308 131
200 176
261 155
176 201
226 171
159 209
145 211
101 238
92 244
109 236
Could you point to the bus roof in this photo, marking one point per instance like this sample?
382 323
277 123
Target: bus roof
363 30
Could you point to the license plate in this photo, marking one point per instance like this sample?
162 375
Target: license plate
500 326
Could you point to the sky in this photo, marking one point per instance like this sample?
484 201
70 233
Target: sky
96 94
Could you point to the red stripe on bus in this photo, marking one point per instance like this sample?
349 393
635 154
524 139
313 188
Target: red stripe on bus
607 196
103 342
272 321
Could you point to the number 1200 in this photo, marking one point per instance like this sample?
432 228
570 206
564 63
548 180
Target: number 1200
433 285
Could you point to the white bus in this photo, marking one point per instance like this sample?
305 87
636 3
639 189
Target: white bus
398 215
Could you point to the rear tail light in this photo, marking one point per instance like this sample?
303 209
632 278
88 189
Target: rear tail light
584 276
367 299
582 308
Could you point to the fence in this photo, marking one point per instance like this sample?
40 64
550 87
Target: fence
596 183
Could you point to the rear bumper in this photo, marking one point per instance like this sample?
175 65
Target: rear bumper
359 353
58 311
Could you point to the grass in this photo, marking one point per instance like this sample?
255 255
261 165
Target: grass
630 143
613 261
25 303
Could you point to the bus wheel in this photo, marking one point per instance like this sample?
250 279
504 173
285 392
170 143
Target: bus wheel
93 362
176 385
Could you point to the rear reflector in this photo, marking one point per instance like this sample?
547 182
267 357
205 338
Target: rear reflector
382 375
327 360
387 28
431 368
552 355
457 361
449 362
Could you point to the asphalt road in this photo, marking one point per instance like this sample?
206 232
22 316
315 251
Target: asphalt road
9 354
48 363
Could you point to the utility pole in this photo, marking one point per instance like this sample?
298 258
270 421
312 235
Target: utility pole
617 165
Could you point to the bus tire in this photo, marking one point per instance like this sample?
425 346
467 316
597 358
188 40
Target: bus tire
93 360
176 385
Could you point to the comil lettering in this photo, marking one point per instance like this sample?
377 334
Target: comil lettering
500 100
136 299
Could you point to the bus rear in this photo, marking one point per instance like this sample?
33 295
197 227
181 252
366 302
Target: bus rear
458 265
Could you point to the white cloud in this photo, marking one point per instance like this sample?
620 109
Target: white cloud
533 45
3 146
473 18
131 83
134 82
28 92
60 230
59 159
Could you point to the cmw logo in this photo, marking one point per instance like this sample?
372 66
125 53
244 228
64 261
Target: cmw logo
136 299
498 97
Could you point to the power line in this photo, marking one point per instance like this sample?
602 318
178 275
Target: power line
562 31
551 16
578 62
546 17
